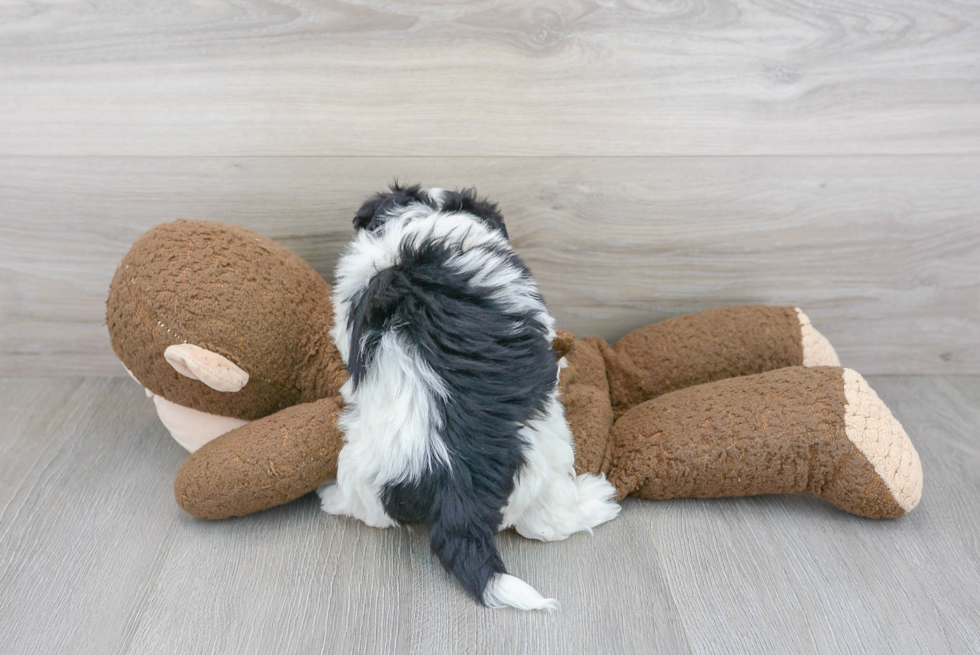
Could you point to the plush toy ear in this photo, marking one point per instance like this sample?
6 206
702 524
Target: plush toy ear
219 373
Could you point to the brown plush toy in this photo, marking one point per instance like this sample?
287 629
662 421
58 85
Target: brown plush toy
229 334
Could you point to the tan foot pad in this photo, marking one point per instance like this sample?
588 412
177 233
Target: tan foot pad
817 351
880 437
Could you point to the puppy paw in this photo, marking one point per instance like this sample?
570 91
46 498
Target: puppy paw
596 498
334 501
331 498
540 531
586 502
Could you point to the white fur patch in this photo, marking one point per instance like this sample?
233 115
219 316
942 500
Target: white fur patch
437 195
390 427
549 502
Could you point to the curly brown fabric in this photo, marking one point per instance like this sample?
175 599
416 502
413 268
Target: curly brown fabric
778 432
697 348
233 292
266 463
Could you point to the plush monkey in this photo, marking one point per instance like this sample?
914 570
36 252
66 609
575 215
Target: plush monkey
228 332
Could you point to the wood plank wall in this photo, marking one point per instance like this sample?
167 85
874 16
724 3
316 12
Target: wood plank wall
652 158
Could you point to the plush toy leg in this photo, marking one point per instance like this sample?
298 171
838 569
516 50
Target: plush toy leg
821 430
266 463
711 345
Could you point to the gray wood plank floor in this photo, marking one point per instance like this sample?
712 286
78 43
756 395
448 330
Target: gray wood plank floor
95 557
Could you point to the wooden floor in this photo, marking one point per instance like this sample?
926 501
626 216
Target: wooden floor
95 556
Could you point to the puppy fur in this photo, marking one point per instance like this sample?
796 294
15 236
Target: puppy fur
452 416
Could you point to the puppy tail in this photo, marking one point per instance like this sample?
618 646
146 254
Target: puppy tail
467 549
505 590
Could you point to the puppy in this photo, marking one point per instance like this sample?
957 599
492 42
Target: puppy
452 416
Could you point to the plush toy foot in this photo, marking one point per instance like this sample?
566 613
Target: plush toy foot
879 436
815 350
707 346
266 463
819 430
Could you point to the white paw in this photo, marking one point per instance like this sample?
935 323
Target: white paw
586 501
334 501
596 500
331 498
541 532
379 520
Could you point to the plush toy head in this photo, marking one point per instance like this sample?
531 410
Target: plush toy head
224 321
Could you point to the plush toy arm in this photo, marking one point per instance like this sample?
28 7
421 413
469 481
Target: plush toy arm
711 345
585 395
266 463
822 430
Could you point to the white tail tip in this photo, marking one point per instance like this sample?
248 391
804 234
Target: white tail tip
507 591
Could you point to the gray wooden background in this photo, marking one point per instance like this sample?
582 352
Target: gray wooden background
652 158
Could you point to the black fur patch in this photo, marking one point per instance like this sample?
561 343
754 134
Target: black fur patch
376 209
466 200
373 212
499 370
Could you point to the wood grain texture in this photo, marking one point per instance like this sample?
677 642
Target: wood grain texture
95 556
491 78
785 574
77 553
883 254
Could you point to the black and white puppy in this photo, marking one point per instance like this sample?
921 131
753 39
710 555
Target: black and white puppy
452 416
